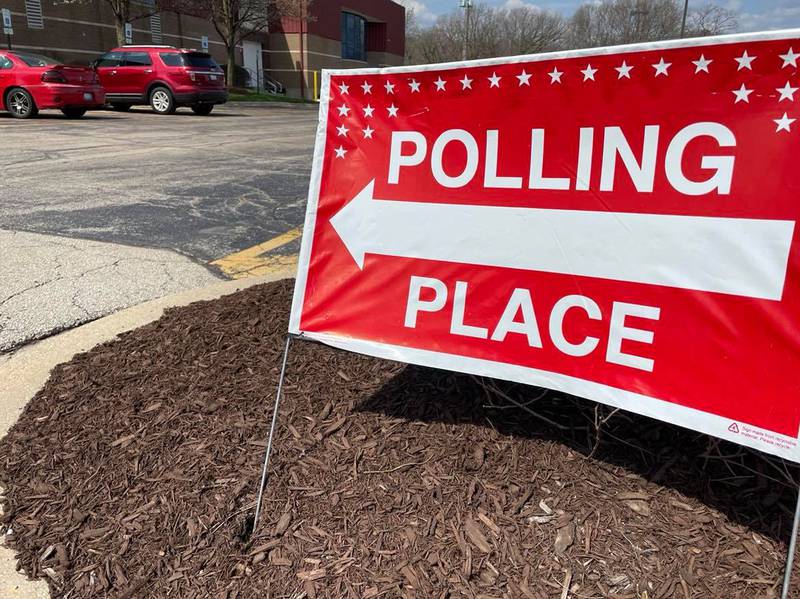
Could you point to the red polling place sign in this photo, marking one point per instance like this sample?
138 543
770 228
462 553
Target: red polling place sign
614 223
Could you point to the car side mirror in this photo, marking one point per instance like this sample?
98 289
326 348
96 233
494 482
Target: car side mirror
93 64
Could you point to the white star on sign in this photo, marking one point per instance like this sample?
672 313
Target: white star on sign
343 110
701 64
466 82
368 110
588 72
741 94
745 61
440 83
340 152
342 130
790 58
524 78
389 87
367 88
661 67
414 85
392 110
494 80
555 75
784 123
786 92
624 70
344 88
368 131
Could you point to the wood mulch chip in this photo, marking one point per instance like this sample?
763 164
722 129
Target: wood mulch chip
134 472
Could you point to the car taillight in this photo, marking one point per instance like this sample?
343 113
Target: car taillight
53 77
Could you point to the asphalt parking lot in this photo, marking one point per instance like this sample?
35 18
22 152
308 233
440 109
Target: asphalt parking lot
116 208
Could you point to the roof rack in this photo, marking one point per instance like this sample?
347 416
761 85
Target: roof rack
147 46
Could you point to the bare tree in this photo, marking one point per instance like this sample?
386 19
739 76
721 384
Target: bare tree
234 20
126 11
525 31
711 19
492 32
614 22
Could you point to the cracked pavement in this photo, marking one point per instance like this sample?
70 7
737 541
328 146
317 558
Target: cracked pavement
111 210
76 281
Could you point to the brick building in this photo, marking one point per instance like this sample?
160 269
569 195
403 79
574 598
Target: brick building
335 34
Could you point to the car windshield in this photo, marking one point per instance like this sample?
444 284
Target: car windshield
36 60
199 59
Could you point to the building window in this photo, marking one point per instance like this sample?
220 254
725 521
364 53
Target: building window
33 10
155 28
353 37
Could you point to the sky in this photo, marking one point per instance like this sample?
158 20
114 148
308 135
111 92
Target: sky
754 15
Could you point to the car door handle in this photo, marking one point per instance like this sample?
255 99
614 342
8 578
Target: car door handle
113 72
148 71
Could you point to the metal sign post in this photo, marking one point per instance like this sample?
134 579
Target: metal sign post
8 29
787 575
271 434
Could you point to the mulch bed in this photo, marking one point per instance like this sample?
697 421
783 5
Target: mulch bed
133 473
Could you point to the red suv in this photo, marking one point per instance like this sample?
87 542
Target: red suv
162 76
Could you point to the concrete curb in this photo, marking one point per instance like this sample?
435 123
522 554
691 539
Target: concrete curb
294 105
27 370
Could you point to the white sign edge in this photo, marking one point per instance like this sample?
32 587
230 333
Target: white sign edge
692 42
314 185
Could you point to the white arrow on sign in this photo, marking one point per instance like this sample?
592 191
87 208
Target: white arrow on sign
736 256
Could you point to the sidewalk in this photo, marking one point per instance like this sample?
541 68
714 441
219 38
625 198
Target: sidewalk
53 283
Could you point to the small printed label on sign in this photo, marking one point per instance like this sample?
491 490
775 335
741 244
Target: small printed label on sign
569 221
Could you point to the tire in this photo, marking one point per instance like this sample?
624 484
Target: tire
202 109
120 107
20 104
72 112
161 100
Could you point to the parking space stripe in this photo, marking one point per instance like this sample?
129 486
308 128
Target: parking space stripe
256 261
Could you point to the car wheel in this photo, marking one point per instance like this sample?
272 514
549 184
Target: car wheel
161 101
202 109
20 104
120 107
72 112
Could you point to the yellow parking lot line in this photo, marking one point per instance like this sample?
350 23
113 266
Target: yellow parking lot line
252 262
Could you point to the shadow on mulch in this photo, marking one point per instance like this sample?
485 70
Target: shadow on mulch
134 472
751 488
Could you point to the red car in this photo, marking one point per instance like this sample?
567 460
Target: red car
164 77
30 83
